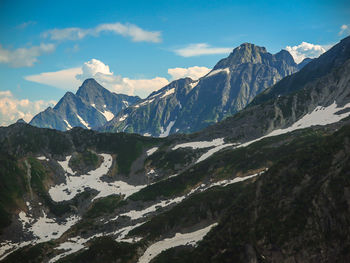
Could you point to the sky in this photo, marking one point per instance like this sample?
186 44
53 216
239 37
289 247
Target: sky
135 47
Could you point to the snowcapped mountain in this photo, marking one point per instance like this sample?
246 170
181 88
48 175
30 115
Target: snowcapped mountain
186 106
91 107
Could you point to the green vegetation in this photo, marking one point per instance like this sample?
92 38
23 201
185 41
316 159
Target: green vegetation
229 163
172 160
104 249
104 205
174 255
31 254
204 206
39 180
85 160
12 188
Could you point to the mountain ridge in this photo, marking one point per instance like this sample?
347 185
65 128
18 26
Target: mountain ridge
91 107
227 88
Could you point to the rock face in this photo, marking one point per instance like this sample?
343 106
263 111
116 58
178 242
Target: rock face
322 82
187 106
92 106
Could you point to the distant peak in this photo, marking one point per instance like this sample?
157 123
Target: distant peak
88 86
245 53
250 47
21 121
89 81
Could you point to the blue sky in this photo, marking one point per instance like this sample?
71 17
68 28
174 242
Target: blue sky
132 46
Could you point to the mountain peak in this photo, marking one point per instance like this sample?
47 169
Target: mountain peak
21 121
252 47
89 81
245 53
89 85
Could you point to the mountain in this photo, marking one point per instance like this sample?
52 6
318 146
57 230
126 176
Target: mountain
92 106
186 106
269 184
319 90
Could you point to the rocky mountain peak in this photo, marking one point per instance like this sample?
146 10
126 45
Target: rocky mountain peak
245 53
89 86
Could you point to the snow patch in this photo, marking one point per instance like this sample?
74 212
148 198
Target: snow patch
319 116
167 130
83 122
65 165
178 240
216 71
67 124
151 151
212 151
122 118
108 115
42 158
194 84
168 92
200 144
77 184
144 103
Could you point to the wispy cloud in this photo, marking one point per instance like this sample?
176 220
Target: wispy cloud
306 50
191 72
132 31
344 29
200 49
71 79
12 109
26 24
24 57
62 79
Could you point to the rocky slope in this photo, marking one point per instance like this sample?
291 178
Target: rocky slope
186 106
91 107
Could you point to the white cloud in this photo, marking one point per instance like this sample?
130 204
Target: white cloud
12 109
191 72
136 33
306 50
24 57
344 29
63 79
201 49
26 24
71 79
142 87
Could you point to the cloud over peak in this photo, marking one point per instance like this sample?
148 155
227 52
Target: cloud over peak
306 50
132 31
191 72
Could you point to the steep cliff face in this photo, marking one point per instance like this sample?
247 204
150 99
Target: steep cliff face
91 107
281 106
193 105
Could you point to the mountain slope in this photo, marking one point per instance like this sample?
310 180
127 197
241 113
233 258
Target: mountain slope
91 107
193 105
